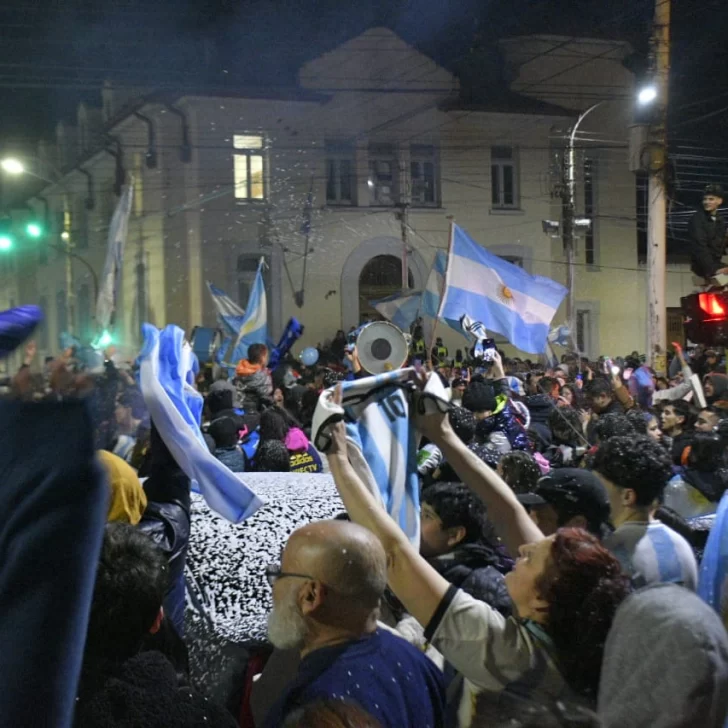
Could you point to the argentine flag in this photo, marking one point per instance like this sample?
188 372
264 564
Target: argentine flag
401 309
229 314
166 375
254 327
501 295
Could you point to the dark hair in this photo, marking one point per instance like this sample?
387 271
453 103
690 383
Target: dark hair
224 431
638 463
272 456
273 425
565 425
463 423
219 400
612 424
512 711
546 385
639 419
132 398
598 387
456 505
479 397
583 585
520 471
682 409
330 714
131 580
256 353
707 453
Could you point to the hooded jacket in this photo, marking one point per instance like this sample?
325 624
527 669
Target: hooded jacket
254 388
720 387
707 236
665 663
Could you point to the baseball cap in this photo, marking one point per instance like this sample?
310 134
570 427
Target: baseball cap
572 492
715 190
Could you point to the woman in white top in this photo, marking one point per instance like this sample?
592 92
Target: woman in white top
565 588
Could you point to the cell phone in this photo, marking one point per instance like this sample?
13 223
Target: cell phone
464 373
417 363
579 378
627 373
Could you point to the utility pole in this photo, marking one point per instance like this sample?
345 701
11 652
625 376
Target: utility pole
569 226
404 203
657 197
70 284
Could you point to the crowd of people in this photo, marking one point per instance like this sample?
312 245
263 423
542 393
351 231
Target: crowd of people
564 511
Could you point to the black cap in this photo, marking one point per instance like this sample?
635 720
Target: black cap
714 190
572 492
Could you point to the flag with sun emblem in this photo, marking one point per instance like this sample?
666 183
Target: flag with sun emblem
504 297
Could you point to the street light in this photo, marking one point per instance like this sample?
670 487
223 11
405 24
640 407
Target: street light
647 95
65 236
12 166
6 242
34 230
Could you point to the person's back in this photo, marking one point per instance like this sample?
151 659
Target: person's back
326 596
651 552
665 663
253 384
390 678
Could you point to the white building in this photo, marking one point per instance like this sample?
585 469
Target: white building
222 180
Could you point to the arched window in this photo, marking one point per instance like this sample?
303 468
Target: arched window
380 277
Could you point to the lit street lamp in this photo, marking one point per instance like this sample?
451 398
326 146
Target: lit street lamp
647 95
12 166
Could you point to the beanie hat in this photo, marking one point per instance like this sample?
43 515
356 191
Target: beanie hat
479 397
224 432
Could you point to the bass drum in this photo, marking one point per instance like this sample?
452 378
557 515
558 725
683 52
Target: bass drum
381 347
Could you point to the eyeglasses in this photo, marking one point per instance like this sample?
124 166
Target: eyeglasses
273 573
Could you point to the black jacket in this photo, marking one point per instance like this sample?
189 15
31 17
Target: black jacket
143 692
708 243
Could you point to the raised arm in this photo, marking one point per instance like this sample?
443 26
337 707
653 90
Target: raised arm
417 585
509 517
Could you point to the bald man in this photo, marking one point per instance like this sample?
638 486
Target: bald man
326 595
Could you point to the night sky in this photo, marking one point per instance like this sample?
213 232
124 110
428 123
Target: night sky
58 52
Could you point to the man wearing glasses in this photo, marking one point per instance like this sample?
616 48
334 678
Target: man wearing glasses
326 594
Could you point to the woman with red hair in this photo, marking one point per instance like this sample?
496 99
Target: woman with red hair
565 588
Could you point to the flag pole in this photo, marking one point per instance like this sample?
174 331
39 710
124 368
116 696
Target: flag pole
444 287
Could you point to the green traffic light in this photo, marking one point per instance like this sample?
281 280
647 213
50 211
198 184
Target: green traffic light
6 243
34 230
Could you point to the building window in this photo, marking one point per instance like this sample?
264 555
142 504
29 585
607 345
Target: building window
61 314
583 331
424 177
515 259
83 302
589 243
249 167
380 277
43 329
382 174
340 181
504 177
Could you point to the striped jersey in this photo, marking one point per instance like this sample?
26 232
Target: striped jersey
652 553
382 442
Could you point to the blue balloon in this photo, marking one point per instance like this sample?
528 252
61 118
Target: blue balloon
309 356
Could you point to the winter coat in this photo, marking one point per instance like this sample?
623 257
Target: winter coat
232 457
505 422
707 237
145 690
254 388
478 570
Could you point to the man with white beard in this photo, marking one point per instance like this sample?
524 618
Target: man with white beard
326 594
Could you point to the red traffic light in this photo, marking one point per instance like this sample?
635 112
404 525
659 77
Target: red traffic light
712 305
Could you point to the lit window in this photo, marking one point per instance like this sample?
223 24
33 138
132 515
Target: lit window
504 177
249 167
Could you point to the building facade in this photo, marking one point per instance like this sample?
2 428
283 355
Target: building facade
335 183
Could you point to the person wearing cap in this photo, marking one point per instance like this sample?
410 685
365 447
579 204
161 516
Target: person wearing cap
568 497
707 233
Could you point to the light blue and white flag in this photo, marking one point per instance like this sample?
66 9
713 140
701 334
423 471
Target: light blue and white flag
401 309
254 327
229 315
166 376
431 299
111 277
503 296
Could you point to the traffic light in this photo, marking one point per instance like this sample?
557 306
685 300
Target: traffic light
34 230
7 241
706 318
